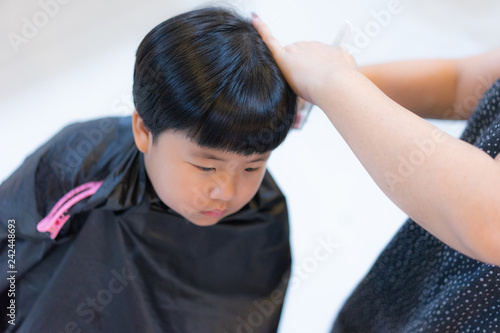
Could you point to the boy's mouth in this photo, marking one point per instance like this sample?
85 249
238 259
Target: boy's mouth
215 212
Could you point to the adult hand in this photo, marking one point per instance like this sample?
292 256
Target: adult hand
308 67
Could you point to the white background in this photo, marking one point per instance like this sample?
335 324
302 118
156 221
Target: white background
79 66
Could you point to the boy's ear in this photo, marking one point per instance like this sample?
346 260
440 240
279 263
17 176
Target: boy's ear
142 135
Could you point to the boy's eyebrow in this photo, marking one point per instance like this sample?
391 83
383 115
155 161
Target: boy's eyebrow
209 156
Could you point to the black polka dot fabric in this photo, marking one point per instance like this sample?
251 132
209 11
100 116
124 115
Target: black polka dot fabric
419 284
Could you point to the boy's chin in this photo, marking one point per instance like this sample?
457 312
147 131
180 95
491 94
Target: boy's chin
203 221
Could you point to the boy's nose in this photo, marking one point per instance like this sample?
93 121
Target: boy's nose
223 188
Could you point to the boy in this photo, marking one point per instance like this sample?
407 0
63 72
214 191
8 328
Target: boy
107 219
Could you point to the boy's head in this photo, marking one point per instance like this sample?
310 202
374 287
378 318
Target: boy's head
211 104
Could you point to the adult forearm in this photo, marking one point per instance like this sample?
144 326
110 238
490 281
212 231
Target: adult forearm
437 88
446 185
425 87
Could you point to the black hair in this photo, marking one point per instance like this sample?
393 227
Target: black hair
209 73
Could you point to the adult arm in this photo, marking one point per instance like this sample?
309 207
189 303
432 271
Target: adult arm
452 191
437 88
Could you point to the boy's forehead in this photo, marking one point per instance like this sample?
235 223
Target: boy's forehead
193 149
218 155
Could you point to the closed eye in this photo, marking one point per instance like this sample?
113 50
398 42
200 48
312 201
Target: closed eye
251 169
205 169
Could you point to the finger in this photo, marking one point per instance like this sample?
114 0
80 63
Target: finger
266 35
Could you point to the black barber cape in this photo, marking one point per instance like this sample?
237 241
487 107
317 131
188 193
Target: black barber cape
125 262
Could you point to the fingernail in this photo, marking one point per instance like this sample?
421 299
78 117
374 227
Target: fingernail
254 15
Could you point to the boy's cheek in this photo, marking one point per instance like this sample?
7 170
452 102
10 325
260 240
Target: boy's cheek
198 199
